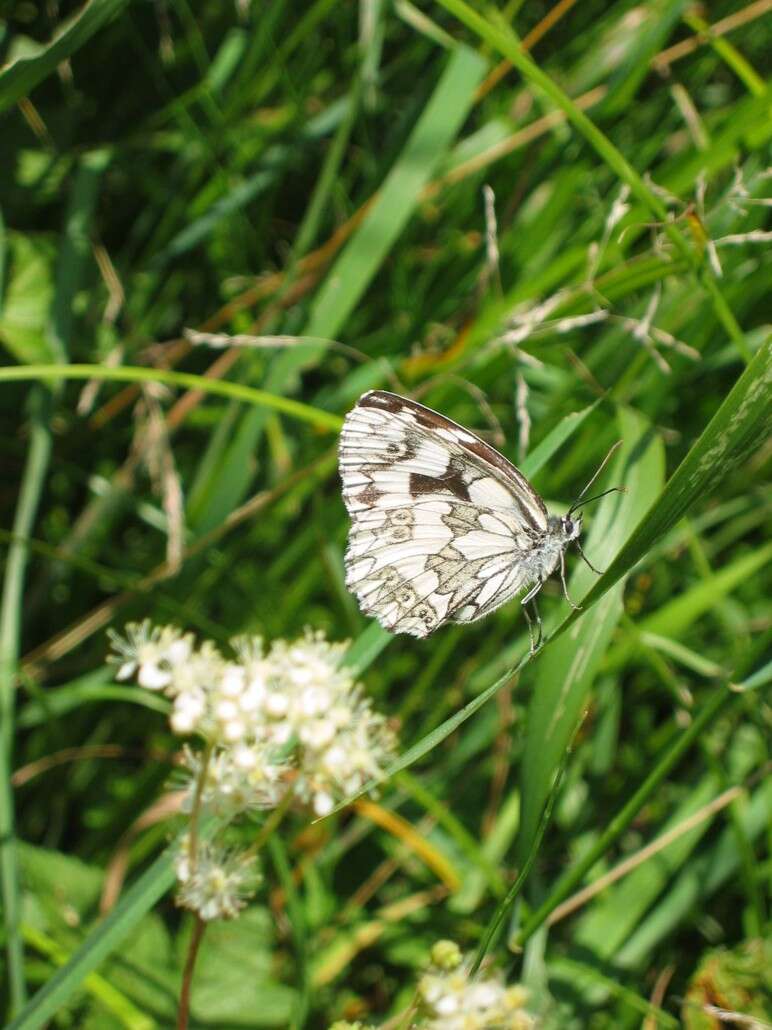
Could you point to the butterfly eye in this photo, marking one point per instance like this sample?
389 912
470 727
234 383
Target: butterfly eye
404 596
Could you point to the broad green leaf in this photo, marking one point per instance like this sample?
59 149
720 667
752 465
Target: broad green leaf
61 897
234 985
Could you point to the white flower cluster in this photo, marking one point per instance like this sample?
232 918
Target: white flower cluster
236 779
286 715
217 883
451 999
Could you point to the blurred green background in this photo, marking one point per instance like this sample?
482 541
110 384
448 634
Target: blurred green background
309 177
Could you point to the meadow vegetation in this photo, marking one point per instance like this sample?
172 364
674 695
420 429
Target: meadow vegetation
220 224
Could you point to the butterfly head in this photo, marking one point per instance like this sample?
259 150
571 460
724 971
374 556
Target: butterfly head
571 526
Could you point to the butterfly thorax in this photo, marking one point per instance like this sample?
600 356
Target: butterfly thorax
546 548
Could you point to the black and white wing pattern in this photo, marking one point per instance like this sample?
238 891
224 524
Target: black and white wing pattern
444 528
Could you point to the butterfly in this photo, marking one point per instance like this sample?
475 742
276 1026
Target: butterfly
444 528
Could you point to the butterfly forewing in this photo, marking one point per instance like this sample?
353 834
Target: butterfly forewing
442 524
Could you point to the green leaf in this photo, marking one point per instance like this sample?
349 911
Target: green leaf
61 896
26 304
233 985
100 943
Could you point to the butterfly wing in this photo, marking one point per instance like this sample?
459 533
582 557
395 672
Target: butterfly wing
441 522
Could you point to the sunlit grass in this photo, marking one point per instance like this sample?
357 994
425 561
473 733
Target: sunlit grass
593 821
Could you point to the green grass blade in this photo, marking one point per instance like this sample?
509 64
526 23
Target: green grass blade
281 864
89 689
222 388
397 198
107 936
704 718
697 882
738 427
572 969
501 36
23 74
33 481
113 1000
366 648
70 272
464 840
357 265
672 619
568 668
554 440
660 21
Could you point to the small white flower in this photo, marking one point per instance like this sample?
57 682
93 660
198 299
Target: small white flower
239 779
234 730
276 704
232 682
323 804
226 710
217 883
152 653
451 999
187 712
244 757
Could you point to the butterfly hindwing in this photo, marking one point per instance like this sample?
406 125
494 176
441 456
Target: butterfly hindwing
442 523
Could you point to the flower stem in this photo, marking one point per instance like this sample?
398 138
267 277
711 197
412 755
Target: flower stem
271 823
183 1012
196 809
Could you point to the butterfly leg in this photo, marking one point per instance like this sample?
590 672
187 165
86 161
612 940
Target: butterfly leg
531 619
576 607
587 561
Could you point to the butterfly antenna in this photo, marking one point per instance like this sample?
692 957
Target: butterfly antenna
598 471
597 497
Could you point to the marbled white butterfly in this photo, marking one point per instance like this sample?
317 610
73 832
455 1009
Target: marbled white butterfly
444 528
